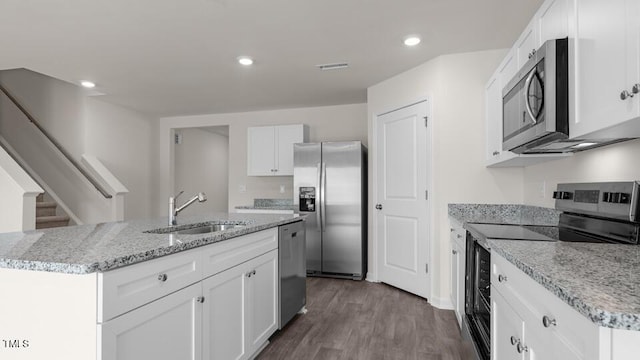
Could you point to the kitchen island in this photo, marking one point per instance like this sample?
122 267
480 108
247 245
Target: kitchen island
137 289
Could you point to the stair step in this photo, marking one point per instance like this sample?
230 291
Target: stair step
45 208
44 222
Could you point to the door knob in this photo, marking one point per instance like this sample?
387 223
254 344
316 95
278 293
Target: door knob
379 206
635 89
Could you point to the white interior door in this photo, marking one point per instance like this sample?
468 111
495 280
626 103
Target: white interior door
402 222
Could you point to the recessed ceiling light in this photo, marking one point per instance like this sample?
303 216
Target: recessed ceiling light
87 84
584 144
245 60
412 41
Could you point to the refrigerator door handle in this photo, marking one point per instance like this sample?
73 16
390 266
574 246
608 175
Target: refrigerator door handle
318 209
324 196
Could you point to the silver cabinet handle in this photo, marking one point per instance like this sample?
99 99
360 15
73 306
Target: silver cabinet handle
495 153
502 278
547 321
521 348
163 277
635 89
624 95
454 252
459 236
379 206
514 340
452 230
251 273
200 299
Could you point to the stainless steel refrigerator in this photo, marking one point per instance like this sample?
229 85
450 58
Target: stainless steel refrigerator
330 187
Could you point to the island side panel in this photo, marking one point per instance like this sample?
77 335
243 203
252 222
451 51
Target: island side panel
47 315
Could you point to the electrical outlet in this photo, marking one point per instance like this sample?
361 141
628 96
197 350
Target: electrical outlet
281 189
242 188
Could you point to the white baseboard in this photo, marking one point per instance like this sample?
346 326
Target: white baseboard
441 303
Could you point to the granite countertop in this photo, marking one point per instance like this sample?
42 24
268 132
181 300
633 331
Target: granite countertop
600 281
86 249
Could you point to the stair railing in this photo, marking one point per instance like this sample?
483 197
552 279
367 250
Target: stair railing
55 143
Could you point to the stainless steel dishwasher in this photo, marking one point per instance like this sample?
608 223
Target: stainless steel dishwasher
293 270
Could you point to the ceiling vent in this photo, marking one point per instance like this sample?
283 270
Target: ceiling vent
336 66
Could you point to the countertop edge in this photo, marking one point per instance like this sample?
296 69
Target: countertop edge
131 259
598 316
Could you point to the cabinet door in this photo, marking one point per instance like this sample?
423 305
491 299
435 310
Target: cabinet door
527 43
286 136
455 258
166 329
553 20
606 64
493 117
462 258
224 315
261 151
505 325
261 300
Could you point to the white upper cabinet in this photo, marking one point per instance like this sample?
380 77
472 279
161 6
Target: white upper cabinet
270 149
553 20
528 43
607 42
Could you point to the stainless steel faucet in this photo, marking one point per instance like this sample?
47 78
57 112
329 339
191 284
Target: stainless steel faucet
173 211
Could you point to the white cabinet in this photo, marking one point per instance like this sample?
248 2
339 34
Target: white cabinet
270 149
543 326
166 329
527 43
458 259
607 44
240 308
553 20
507 330
229 315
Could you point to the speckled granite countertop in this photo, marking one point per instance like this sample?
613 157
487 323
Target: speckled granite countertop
601 281
504 214
100 247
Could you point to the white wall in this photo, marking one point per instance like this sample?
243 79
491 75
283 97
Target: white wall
328 123
617 162
125 141
18 193
202 165
454 86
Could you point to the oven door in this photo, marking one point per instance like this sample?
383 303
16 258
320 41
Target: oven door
477 296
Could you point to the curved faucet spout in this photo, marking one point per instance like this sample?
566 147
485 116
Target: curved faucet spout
173 211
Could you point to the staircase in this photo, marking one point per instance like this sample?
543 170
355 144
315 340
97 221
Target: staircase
46 214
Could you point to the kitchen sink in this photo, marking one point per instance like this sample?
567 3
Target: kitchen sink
207 229
200 228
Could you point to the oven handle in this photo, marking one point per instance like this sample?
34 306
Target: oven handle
527 105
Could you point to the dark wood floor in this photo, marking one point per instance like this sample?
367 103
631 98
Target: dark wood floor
362 320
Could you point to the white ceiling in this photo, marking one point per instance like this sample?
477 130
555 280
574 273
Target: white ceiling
178 57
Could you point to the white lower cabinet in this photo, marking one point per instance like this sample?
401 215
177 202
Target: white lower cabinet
458 260
507 329
240 311
168 328
228 315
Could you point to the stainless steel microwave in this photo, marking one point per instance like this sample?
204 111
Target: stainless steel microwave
535 103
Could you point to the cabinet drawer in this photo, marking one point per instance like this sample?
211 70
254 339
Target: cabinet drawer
122 290
572 332
226 254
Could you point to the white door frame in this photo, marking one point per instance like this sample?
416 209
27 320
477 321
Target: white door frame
374 200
